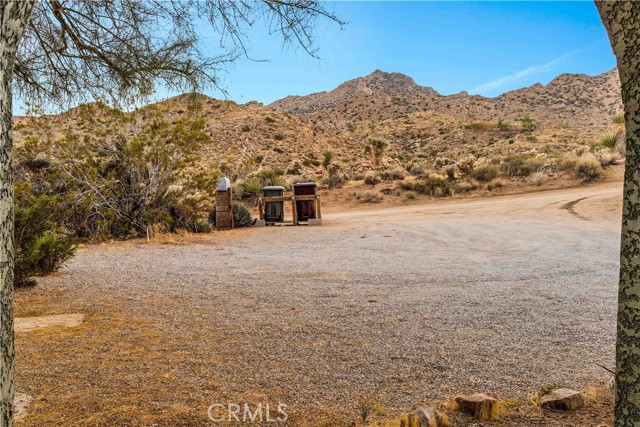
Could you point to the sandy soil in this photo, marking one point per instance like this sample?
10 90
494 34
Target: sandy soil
406 305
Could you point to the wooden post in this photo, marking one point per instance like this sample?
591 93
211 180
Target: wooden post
318 210
294 212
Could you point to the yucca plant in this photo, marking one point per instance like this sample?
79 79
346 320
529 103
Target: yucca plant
195 226
609 141
252 188
241 216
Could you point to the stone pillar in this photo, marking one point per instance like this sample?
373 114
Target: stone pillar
224 205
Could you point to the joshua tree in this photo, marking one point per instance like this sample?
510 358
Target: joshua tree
376 148
622 21
62 51
327 158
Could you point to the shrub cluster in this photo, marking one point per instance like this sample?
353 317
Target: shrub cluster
40 246
520 166
485 173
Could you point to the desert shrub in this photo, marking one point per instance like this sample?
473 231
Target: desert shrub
465 186
194 226
568 162
483 126
519 166
485 173
450 172
434 185
443 161
495 185
437 186
539 178
124 189
368 197
334 176
371 178
241 216
607 157
618 119
417 170
392 174
40 246
588 168
608 141
466 164
410 195
279 136
502 126
295 169
528 124
118 186
310 162
246 128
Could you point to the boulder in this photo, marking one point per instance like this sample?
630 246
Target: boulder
563 399
480 405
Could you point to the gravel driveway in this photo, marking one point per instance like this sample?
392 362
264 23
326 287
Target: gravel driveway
405 305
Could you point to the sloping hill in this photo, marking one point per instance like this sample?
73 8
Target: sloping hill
570 99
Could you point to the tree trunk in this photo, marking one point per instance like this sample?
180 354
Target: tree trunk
622 21
14 16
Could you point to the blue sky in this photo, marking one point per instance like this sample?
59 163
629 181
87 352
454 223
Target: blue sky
481 47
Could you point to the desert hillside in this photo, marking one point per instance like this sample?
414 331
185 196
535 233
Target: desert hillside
570 99
422 126
379 138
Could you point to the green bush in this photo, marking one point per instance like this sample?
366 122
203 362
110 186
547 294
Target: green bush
437 186
608 141
485 173
241 216
520 166
528 124
617 119
40 246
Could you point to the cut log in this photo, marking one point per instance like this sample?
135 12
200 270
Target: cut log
563 399
479 405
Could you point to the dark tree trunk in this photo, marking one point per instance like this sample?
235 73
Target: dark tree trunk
622 21
14 16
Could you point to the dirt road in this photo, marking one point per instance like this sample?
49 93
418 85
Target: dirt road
406 305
